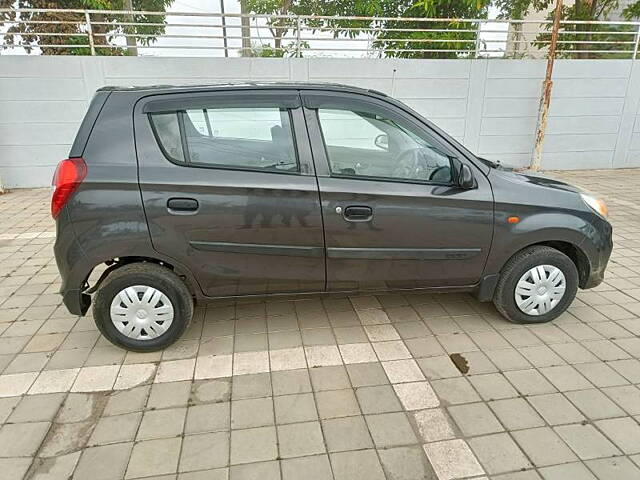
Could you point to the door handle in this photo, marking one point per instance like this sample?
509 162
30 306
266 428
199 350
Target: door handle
182 204
358 214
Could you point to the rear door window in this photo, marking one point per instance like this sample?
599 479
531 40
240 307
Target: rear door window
245 137
168 134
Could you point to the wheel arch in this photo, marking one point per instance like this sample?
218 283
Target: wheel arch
485 290
506 298
119 262
570 249
575 253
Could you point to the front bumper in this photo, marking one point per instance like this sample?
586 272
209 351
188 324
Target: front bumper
600 247
596 273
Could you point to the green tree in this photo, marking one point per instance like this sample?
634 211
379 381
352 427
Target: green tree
392 38
64 28
581 40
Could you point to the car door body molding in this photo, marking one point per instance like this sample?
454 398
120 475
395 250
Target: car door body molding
259 249
403 253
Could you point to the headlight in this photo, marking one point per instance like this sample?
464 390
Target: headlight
596 204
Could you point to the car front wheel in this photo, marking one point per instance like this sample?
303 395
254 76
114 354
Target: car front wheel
536 285
142 307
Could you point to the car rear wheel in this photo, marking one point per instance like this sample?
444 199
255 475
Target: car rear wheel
142 307
536 285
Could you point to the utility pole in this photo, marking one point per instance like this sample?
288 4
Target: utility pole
132 48
545 100
224 29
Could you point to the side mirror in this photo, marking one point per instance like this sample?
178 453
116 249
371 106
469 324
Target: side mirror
465 177
382 141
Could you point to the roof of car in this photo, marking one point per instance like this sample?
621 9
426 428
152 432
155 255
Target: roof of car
244 85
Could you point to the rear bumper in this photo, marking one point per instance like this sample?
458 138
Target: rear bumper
76 302
74 268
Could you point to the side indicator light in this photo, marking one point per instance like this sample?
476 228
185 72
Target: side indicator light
513 219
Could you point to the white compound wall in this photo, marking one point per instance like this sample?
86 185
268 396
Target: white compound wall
489 105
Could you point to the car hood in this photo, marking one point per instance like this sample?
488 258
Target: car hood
540 180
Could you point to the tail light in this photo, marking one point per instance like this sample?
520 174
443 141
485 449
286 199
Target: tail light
69 174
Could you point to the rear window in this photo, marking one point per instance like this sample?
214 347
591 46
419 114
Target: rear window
252 138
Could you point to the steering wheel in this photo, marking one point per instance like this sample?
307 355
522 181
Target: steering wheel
413 163
409 164
441 174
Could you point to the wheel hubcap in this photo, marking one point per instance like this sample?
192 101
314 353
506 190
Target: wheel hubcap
540 289
141 312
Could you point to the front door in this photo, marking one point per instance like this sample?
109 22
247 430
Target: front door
229 189
393 216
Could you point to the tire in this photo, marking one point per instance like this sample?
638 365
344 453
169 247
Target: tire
141 276
520 264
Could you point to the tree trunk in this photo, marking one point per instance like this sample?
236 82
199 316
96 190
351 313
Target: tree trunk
246 30
584 10
277 42
132 48
99 31
282 29
278 34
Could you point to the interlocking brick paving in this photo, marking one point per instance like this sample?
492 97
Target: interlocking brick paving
322 388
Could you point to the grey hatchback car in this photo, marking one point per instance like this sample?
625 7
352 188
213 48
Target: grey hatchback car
200 192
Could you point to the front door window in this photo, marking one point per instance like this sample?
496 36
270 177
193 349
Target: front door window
364 144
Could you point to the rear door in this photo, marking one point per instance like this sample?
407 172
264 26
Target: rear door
394 216
229 190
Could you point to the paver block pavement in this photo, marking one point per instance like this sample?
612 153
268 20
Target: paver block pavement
204 451
107 461
346 433
22 439
300 439
357 465
323 388
253 445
